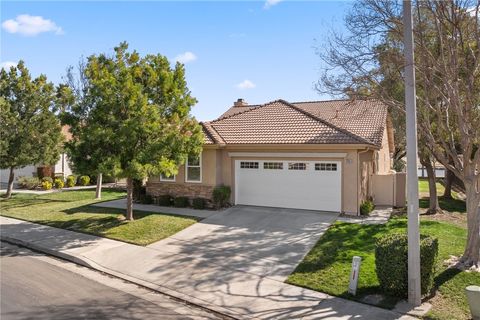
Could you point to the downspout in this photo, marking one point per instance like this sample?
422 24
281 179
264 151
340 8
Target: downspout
358 176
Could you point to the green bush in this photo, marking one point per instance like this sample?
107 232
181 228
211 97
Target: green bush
49 179
198 203
84 180
71 181
28 182
391 262
366 207
47 185
165 200
58 182
180 202
221 195
147 199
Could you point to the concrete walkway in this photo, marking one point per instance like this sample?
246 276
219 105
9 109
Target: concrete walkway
227 263
380 215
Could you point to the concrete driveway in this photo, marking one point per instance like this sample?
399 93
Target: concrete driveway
268 242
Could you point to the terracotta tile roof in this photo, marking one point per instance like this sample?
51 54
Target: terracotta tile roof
277 122
364 120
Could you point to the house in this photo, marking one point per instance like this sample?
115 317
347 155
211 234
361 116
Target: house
318 155
61 168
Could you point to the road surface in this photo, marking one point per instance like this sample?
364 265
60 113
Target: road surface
35 286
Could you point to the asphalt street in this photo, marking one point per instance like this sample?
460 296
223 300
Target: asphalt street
35 286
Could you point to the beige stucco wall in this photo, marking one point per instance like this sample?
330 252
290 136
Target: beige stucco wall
383 155
389 189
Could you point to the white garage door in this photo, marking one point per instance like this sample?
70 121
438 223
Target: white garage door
313 185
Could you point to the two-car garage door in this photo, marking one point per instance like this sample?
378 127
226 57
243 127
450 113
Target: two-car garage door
312 185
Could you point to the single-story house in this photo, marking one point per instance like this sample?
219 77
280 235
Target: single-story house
316 155
60 168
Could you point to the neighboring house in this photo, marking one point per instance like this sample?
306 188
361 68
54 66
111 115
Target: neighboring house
319 155
60 168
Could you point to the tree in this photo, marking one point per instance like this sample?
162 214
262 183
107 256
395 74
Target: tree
447 53
30 132
137 120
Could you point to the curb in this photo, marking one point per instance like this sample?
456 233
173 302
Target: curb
175 295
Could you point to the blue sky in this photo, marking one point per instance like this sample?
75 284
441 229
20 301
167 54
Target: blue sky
259 51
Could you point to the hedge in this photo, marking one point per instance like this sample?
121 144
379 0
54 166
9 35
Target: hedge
180 202
221 195
165 200
198 203
391 262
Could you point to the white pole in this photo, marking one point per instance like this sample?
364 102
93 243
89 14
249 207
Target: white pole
414 294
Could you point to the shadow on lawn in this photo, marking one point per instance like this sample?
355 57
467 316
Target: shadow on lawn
451 205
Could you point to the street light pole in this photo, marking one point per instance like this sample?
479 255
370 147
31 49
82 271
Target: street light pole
414 294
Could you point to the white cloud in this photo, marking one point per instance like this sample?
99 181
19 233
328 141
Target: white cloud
7 64
246 84
28 25
270 3
186 57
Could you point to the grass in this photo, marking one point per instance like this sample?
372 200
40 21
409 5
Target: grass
327 266
452 205
73 210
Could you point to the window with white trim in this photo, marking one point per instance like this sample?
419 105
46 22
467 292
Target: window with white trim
248 165
163 177
297 166
193 169
325 166
273 165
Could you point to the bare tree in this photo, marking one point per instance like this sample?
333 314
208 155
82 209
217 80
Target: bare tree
368 61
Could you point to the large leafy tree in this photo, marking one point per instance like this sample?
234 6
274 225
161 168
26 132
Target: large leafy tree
136 119
368 61
30 132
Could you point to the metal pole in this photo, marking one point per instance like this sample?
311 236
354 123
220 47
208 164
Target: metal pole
414 294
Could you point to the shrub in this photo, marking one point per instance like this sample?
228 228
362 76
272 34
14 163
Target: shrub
58 182
84 180
147 199
71 181
366 207
180 202
28 182
47 185
49 179
391 263
165 200
198 203
221 195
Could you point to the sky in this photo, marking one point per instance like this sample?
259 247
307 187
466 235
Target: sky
258 51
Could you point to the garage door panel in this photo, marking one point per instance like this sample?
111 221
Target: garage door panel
304 189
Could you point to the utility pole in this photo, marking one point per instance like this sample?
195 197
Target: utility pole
414 293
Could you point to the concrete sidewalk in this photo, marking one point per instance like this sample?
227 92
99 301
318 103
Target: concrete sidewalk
238 291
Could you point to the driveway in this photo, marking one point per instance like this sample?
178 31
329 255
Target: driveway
268 242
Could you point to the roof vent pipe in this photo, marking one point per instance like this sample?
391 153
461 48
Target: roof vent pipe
240 103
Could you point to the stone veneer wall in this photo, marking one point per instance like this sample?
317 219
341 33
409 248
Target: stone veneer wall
175 190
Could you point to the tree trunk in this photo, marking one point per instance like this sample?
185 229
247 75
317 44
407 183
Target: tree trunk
449 176
130 199
434 206
471 256
8 195
98 192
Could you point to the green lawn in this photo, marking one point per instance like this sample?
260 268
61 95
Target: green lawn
72 210
451 205
327 267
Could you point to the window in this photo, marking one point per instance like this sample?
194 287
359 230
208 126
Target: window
325 166
248 165
163 177
193 169
297 166
273 165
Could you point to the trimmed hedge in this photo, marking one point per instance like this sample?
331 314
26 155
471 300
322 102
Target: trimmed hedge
391 262
165 200
58 182
71 181
84 180
180 202
199 203
49 179
28 182
221 195
366 207
47 185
